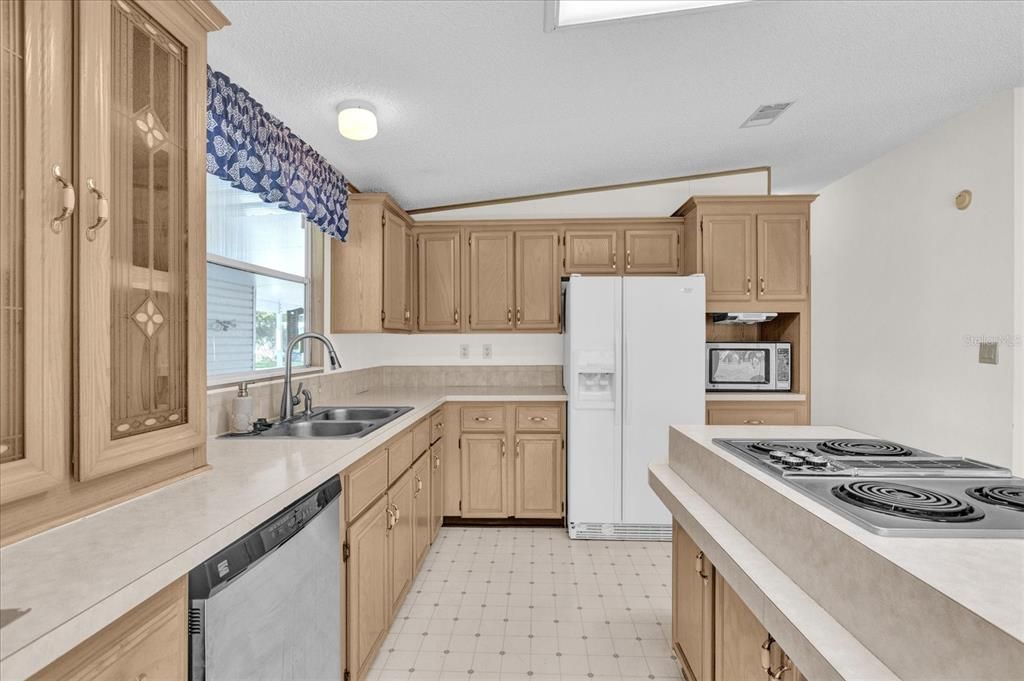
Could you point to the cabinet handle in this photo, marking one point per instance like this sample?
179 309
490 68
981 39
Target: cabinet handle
762 284
102 210
766 655
508 316
141 677
519 316
777 674
517 448
615 260
754 422
456 316
398 513
437 462
67 201
483 418
407 314
748 286
390 517
538 419
629 259
698 564
503 448
419 485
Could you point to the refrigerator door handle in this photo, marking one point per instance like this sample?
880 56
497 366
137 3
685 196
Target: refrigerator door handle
624 377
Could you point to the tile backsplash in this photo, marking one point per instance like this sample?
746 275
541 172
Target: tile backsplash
334 387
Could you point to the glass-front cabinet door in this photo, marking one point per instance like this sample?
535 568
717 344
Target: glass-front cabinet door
36 208
140 240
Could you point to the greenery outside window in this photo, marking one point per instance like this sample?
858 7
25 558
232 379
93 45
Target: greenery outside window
264 285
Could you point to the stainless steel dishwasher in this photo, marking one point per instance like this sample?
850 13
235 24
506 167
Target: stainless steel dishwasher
268 607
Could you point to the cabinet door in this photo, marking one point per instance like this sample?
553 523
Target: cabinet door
484 476
692 605
396 307
538 287
421 516
783 257
400 539
729 257
35 250
436 455
368 598
538 485
411 279
142 303
440 281
755 414
652 251
591 252
490 280
739 637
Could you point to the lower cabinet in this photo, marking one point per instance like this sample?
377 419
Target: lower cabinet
484 475
539 476
715 635
749 413
401 567
148 643
368 585
437 472
422 531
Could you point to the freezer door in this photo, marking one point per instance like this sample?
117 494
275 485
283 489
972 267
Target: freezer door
281 619
663 380
592 377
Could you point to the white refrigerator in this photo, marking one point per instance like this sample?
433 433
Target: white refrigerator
633 366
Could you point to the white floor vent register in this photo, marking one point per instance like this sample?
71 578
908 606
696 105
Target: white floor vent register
634 365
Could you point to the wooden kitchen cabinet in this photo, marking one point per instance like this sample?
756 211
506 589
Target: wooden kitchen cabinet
729 259
421 516
400 455
371 272
783 257
692 606
402 562
368 580
491 280
439 274
436 456
147 643
537 281
752 413
484 475
652 251
539 476
743 647
591 251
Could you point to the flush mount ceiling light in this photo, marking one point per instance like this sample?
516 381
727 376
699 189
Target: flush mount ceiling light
357 121
765 115
562 13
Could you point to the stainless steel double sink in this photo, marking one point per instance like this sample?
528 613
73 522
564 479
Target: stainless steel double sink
336 422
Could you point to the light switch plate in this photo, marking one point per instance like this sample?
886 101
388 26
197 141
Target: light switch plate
464 351
988 353
487 351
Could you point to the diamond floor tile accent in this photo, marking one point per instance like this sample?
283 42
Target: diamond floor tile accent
503 603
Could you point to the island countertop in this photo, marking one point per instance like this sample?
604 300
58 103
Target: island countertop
977 581
79 577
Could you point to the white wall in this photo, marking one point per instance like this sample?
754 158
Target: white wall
903 282
1018 382
360 351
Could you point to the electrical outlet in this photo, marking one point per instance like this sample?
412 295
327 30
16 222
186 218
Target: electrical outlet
487 351
988 353
464 351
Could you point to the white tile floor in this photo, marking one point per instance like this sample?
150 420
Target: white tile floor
528 603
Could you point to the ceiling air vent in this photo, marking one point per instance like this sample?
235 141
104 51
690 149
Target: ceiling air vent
765 114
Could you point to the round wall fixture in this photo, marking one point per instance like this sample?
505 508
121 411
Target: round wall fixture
963 199
357 121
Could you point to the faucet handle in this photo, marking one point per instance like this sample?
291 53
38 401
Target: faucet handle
295 397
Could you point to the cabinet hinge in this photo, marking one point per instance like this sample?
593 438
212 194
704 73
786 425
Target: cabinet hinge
346 551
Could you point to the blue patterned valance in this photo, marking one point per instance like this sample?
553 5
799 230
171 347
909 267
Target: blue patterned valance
254 151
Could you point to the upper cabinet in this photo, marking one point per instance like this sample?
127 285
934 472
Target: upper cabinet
491 282
439 275
751 249
371 272
538 284
652 251
112 240
591 251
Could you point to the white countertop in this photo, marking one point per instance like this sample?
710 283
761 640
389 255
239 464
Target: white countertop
78 578
985 575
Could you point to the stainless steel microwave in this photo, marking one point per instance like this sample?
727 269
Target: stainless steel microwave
747 366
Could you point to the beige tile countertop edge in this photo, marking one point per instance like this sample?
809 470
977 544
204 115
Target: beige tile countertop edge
821 647
79 577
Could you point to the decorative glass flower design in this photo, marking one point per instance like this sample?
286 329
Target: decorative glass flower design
151 128
148 317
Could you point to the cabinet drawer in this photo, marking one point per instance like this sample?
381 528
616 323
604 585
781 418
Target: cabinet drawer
365 481
748 414
546 417
483 418
421 437
147 643
436 426
400 455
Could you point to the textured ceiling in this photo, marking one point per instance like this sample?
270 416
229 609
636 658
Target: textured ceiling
476 101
